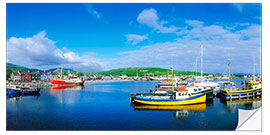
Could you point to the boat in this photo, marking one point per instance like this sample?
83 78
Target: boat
71 80
250 89
24 90
192 88
165 98
13 89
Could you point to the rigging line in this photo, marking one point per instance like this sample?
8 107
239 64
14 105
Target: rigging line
196 63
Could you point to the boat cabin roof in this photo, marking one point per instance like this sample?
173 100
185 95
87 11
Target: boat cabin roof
160 92
228 82
251 81
168 82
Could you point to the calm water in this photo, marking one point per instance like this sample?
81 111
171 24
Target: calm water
106 106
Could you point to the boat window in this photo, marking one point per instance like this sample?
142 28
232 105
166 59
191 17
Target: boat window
200 88
182 94
179 94
186 94
195 89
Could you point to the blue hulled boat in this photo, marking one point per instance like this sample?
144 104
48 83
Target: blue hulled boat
13 89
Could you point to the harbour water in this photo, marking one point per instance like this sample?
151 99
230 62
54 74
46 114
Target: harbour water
106 106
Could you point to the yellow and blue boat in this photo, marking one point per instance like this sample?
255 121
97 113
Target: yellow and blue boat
195 107
251 89
165 99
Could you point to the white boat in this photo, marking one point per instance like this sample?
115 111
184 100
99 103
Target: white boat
207 86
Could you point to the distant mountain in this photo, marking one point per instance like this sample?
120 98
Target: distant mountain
58 69
145 71
14 67
86 70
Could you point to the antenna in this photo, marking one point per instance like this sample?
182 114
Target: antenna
254 68
229 66
201 61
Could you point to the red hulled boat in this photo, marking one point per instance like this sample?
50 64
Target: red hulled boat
66 82
71 80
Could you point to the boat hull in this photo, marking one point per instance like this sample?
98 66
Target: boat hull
10 96
195 107
30 92
13 91
200 98
240 94
63 82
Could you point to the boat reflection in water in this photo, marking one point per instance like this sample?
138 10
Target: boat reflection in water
181 112
66 94
55 89
18 96
247 104
68 87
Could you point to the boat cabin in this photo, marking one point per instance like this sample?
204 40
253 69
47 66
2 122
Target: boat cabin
182 95
229 85
251 84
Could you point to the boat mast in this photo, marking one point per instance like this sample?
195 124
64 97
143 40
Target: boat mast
201 61
254 69
61 72
229 65
172 84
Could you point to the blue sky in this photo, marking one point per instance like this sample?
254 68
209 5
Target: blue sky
107 36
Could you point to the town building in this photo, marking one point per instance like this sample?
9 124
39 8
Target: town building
35 76
26 76
15 76
46 76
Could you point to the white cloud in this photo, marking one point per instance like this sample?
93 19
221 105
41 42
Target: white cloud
251 31
93 12
42 53
135 39
220 44
194 23
150 18
239 7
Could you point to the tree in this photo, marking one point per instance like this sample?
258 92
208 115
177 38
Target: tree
80 74
8 73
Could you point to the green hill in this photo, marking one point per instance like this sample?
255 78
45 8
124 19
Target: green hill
145 71
14 67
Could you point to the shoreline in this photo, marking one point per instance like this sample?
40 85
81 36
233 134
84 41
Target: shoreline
104 81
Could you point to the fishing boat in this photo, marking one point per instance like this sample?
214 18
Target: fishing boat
71 80
250 89
24 90
13 89
184 86
165 98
